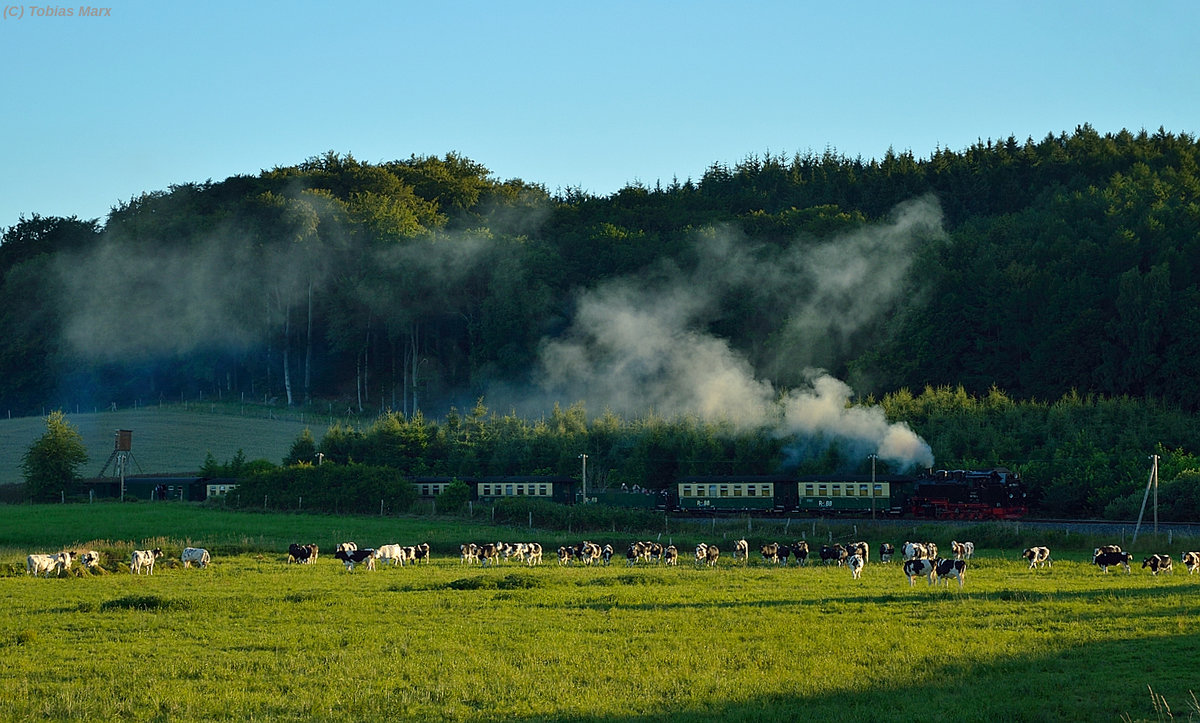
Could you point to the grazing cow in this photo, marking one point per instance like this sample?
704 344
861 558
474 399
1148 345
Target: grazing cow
800 550
393 553
741 551
919 567
951 568
1190 560
533 553
962 550
355 557
1157 564
919 550
671 555
633 553
37 564
468 552
784 551
488 554
1038 557
564 554
143 560
197 555
886 551
1106 560
855 562
769 552
606 554
859 548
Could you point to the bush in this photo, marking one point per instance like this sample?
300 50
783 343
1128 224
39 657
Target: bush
352 488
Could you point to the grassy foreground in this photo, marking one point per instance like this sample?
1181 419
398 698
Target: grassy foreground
254 638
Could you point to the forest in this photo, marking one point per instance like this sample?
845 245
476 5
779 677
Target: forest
1015 302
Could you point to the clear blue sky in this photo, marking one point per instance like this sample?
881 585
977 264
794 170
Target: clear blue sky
97 110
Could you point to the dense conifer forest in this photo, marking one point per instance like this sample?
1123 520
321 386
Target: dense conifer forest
1028 303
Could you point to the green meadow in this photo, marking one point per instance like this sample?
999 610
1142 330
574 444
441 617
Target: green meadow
252 637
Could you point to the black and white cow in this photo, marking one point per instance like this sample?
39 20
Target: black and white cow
671 555
356 557
1106 548
860 548
741 551
197 555
951 568
346 547
886 551
36 564
88 558
565 554
962 550
855 562
533 553
1038 557
468 552
1157 564
919 550
1190 560
919 567
1105 560
301 553
489 554
606 554
769 552
392 553
834 553
143 561
800 550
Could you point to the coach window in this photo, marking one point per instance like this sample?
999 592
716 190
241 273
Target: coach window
879 491
737 490
712 490
849 490
724 490
751 491
864 490
508 490
837 490
823 490
520 489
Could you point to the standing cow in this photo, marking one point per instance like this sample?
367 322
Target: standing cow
855 563
1190 560
1037 557
197 555
919 567
1157 564
947 569
143 561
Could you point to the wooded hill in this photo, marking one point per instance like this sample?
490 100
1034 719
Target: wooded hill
1035 269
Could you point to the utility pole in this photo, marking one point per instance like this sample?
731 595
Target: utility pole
873 458
583 477
1152 482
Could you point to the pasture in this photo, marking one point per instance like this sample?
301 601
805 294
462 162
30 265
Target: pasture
254 637
170 439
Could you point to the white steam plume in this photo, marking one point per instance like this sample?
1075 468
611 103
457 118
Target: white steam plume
638 344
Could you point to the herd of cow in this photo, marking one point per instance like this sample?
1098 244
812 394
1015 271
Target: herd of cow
920 559
140 561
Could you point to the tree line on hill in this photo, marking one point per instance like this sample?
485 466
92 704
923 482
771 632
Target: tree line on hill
1054 269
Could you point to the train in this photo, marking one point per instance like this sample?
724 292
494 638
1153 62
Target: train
990 494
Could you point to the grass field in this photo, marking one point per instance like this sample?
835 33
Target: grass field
254 638
170 439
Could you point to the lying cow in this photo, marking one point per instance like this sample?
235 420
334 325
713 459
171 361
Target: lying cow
197 555
1105 560
1190 560
36 565
951 568
143 561
919 567
354 557
1037 557
1157 564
